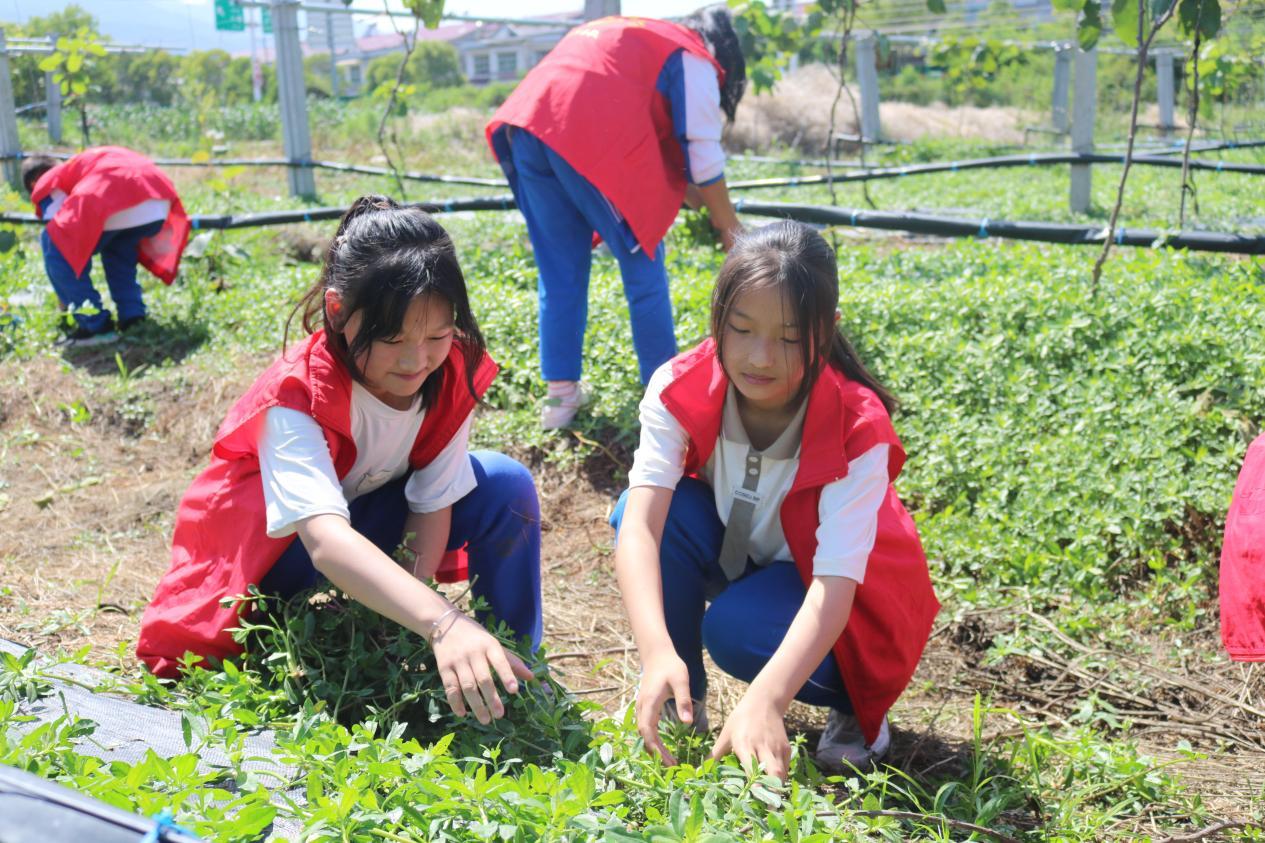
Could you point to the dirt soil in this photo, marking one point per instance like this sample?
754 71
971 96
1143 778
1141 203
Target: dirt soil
92 469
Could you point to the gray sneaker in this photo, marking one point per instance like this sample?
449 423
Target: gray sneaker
842 745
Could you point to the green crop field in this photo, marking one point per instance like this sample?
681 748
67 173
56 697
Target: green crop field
1071 459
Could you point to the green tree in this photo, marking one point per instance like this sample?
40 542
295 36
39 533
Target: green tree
209 67
72 65
152 76
238 87
434 64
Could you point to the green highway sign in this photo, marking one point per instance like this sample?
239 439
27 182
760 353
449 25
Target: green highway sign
267 21
229 16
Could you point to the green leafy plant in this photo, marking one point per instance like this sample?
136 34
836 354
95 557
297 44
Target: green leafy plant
72 67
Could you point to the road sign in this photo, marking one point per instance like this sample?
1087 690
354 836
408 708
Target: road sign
267 17
229 16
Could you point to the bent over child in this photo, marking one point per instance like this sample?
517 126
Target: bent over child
352 441
763 486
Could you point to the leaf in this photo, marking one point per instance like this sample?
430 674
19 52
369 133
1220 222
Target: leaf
1124 19
936 7
200 157
51 63
1203 16
1069 5
1089 27
74 63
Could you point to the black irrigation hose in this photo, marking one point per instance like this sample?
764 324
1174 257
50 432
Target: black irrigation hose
997 162
203 222
1087 235
869 174
337 166
915 223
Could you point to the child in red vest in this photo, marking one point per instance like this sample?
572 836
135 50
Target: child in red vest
116 203
1243 562
351 443
604 136
763 485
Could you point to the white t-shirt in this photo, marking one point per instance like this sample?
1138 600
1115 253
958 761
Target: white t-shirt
298 474
847 510
151 210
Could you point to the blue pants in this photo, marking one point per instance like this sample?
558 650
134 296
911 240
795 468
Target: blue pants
563 209
119 252
747 618
498 522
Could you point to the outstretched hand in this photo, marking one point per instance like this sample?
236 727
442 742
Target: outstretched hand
467 656
663 677
756 733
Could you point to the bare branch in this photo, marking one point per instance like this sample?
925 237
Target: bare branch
410 44
1188 181
1144 47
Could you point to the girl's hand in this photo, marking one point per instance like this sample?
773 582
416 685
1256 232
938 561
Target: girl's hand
663 677
755 732
466 655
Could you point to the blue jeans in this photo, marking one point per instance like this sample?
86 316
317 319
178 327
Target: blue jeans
498 523
119 252
563 209
747 618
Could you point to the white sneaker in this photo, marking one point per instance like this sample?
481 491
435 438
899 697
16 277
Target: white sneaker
564 400
700 726
842 745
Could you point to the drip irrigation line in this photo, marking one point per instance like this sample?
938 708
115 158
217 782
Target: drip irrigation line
1174 148
912 222
337 166
204 222
998 162
1043 232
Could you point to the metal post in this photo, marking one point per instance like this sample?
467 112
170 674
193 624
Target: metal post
256 72
333 62
1164 89
9 145
1084 108
1062 86
291 95
867 79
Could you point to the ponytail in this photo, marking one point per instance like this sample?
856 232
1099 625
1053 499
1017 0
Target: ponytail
382 258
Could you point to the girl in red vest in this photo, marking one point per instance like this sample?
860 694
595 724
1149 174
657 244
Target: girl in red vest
352 443
115 203
763 485
604 136
1243 562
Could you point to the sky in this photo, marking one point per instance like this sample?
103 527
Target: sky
190 24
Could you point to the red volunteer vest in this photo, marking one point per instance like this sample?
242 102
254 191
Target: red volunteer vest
101 182
1243 562
593 101
221 545
895 606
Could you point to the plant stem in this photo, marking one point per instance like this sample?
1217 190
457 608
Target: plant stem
1144 46
409 46
1188 182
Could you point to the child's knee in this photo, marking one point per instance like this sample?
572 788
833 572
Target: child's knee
512 481
725 635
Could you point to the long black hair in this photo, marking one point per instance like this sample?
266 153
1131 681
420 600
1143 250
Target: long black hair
795 259
382 259
716 27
